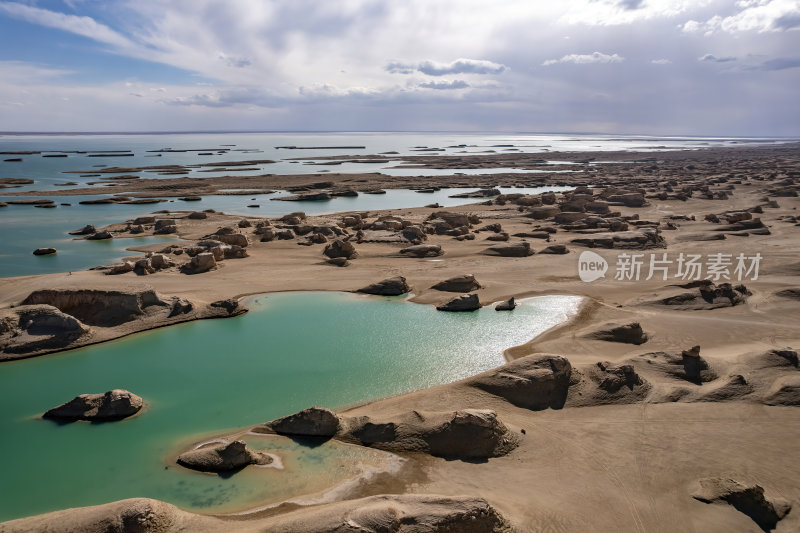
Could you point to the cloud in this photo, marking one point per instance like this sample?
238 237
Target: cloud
709 58
85 26
237 62
21 72
780 63
622 12
760 16
585 59
630 4
444 85
459 66
660 61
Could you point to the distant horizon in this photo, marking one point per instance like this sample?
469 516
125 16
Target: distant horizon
368 132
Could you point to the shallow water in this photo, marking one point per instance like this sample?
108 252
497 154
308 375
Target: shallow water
24 228
47 172
291 351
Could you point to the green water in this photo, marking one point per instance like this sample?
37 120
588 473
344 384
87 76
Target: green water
291 351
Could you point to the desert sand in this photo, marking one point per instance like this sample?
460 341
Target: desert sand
596 427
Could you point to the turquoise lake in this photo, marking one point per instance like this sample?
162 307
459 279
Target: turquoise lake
291 351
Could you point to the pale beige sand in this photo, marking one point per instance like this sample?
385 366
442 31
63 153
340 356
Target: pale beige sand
597 468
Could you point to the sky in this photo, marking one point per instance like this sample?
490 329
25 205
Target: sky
659 67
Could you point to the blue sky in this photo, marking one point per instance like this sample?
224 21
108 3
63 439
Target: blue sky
702 67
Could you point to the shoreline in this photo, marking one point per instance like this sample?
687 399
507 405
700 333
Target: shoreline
661 433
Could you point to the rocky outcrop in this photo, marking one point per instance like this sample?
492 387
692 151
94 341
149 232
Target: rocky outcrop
31 328
231 306
236 239
463 434
99 307
702 295
784 391
389 287
688 365
463 283
311 422
555 249
748 499
508 305
100 236
792 293
222 457
512 249
86 230
631 333
113 405
44 251
536 382
340 248
423 250
465 302
202 262
640 239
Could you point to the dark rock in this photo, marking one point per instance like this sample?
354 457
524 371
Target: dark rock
641 239
514 249
340 248
465 302
631 333
534 382
555 249
463 283
793 293
86 230
235 239
617 376
388 287
508 305
423 250
112 405
338 261
311 422
202 262
463 434
44 251
100 236
747 499
222 457
688 365
231 306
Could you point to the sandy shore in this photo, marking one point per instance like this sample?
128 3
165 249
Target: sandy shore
601 461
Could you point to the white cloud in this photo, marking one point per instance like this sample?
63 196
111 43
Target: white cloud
444 84
709 58
85 26
459 66
660 61
585 59
620 12
760 16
